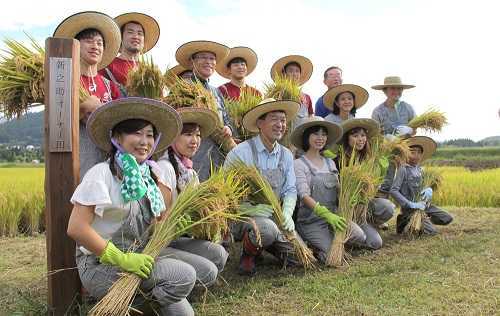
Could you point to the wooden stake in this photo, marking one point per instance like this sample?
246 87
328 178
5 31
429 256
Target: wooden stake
62 73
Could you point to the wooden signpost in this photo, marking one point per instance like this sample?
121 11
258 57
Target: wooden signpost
62 73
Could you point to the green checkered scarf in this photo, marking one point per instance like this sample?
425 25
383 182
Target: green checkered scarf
137 182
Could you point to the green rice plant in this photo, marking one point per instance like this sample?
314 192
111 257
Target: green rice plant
431 120
146 80
282 88
237 108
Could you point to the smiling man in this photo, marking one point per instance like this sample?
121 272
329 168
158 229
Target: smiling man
275 162
202 57
140 33
240 62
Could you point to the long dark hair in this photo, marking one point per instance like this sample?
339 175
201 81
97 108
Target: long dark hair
186 128
308 132
127 127
336 109
361 154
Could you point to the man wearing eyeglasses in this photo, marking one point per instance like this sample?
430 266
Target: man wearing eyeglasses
202 57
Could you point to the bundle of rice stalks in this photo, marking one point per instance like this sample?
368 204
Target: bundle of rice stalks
430 179
355 179
21 77
230 190
431 120
194 94
282 88
262 192
146 80
237 109
202 204
396 150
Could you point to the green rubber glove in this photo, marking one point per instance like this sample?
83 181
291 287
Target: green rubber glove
262 210
184 222
137 263
288 208
337 222
327 153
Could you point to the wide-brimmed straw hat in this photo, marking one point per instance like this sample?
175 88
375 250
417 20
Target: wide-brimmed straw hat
269 105
246 53
149 25
110 31
161 115
174 73
186 50
371 126
428 145
392 81
334 130
306 67
360 95
206 119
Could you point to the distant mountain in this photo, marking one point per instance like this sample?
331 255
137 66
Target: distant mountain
27 130
491 141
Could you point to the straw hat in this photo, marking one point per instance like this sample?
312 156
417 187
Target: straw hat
242 52
78 22
306 67
184 53
360 95
334 130
162 116
174 73
149 25
371 126
392 81
269 105
206 119
428 144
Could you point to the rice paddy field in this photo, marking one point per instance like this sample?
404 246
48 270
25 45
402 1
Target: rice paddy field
455 272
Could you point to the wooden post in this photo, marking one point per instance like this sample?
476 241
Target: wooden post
62 74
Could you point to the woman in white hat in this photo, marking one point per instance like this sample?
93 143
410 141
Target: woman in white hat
344 100
317 187
207 258
99 38
357 135
139 34
119 199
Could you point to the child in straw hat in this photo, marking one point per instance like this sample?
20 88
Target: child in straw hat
357 137
275 163
240 63
119 199
343 101
139 34
406 189
206 257
99 38
317 187
299 69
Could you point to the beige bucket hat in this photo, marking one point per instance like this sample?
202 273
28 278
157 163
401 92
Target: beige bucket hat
393 81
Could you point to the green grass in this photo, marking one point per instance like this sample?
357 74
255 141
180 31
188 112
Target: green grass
464 152
454 273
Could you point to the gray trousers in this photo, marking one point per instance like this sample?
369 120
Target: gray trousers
380 211
271 236
169 283
435 215
207 258
319 235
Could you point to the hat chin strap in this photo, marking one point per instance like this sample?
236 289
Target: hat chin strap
123 151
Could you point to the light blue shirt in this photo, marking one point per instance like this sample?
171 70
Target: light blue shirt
334 118
266 160
389 119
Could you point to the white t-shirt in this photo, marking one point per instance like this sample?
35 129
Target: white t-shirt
101 189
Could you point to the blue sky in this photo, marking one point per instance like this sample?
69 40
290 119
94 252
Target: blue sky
448 49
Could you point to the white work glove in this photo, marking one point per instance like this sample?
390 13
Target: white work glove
288 208
403 130
426 194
